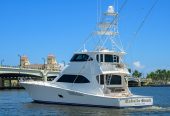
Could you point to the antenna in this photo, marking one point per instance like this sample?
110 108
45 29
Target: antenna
142 23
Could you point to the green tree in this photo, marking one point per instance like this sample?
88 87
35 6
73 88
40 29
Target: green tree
136 74
151 75
168 76
160 76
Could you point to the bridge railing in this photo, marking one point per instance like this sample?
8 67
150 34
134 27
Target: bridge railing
37 68
8 66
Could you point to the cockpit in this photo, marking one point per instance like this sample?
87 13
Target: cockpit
109 79
111 82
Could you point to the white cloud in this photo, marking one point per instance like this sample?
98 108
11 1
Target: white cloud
138 65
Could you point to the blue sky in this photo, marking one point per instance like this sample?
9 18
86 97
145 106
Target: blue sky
36 28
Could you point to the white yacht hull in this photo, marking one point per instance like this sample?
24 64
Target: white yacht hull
50 94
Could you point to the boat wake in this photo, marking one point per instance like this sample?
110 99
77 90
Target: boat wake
151 109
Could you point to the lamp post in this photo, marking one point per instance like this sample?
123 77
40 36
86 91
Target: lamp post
44 62
19 60
2 61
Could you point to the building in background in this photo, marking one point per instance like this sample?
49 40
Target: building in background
52 63
49 64
24 61
11 80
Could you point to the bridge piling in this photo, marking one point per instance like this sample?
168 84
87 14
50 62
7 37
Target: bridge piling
45 77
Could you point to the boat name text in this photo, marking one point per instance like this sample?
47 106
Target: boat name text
137 100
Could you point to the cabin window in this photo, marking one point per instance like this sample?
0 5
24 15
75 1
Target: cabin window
73 79
101 57
113 79
80 58
108 58
101 79
116 58
97 57
110 79
97 77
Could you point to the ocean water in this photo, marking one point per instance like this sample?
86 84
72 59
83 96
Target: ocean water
18 103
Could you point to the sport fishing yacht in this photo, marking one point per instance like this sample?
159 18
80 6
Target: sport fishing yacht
92 78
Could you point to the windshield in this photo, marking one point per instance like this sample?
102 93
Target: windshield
80 58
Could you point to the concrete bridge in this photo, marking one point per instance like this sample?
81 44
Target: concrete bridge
17 71
11 74
134 82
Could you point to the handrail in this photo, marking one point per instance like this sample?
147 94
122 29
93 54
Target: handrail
38 68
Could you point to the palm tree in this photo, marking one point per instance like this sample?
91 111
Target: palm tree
151 76
164 76
168 76
136 74
160 76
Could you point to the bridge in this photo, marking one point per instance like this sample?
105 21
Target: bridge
135 82
10 76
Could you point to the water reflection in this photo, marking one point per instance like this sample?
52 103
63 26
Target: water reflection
92 111
74 110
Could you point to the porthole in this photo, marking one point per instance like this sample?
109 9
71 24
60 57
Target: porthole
60 96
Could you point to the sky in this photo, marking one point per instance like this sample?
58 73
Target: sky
36 28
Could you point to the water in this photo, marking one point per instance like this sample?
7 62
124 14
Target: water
18 102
